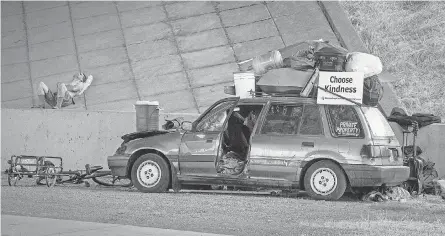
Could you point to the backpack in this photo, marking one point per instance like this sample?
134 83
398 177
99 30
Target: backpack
372 91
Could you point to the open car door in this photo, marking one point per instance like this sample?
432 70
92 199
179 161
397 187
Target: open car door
199 147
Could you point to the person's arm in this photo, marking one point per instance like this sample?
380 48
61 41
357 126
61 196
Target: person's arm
86 84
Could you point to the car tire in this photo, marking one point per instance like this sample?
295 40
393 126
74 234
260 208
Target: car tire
150 174
325 180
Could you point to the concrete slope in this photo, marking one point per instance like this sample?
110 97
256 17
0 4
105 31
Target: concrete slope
179 53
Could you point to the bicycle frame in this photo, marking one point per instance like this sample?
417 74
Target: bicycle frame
77 177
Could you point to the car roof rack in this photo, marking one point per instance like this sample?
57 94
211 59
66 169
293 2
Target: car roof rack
308 91
255 94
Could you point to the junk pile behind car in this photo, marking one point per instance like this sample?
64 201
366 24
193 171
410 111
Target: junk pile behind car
424 178
389 194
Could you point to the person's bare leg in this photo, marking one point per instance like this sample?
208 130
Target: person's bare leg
59 103
42 102
41 91
61 92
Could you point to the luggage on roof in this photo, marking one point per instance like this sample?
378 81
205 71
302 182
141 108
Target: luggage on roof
369 64
284 80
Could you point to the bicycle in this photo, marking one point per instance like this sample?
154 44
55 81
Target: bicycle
105 178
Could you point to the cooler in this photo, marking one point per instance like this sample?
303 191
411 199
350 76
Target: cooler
147 115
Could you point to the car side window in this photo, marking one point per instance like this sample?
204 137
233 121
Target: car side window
215 118
282 119
344 121
311 121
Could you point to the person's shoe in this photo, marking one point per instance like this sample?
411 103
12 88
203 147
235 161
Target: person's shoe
39 106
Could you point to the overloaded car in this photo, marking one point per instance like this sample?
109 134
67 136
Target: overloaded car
273 142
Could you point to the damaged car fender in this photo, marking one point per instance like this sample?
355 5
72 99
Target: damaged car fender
164 143
167 143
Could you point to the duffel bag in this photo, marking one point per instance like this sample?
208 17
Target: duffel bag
369 64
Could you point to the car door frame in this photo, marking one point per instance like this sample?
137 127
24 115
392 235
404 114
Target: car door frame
289 165
216 142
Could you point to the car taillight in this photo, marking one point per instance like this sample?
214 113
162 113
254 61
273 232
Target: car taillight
376 151
395 153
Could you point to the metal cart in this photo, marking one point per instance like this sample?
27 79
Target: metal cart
31 166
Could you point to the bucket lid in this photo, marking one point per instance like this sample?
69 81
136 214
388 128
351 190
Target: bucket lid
245 73
153 103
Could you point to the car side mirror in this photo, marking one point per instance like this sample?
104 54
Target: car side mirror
187 125
9 162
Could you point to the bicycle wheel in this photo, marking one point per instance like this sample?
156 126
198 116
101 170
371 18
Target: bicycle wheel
50 177
13 179
110 180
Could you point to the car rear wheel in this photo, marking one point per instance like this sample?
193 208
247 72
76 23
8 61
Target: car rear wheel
325 180
150 174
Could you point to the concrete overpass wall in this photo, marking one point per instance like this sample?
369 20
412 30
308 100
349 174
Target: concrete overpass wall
79 137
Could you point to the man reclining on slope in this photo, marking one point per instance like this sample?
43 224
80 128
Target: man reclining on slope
65 92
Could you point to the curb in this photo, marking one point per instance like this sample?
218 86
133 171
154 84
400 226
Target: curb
349 38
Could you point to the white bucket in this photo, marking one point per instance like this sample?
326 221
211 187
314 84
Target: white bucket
244 83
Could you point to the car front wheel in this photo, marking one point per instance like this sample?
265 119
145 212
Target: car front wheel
150 174
325 180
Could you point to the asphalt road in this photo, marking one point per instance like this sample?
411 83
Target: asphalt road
235 214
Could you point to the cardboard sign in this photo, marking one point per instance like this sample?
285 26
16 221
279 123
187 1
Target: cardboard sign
346 84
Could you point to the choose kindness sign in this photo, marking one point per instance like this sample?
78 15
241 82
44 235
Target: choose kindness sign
346 84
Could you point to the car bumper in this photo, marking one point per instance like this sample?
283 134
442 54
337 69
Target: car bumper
118 164
364 175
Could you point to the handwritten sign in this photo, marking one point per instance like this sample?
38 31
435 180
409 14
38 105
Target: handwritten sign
346 84
347 128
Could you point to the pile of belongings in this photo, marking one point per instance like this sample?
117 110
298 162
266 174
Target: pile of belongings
230 164
291 69
427 176
439 187
422 170
390 194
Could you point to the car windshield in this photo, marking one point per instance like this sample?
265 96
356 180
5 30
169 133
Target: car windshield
214 119
377 122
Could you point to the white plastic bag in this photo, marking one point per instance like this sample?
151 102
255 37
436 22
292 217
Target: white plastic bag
363 62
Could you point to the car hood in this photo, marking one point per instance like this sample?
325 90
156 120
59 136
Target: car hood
143 134
166 142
